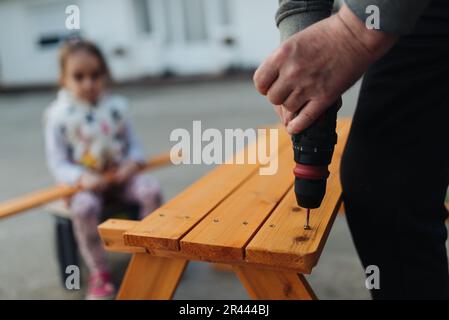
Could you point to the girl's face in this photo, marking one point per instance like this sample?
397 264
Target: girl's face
83 76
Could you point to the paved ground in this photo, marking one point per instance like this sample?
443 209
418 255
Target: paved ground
28 268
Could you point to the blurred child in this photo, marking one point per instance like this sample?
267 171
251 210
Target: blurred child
88 132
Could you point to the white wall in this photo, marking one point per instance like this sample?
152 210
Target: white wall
111 24
255 30
20 59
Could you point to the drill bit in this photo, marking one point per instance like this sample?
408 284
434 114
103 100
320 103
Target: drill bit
307 226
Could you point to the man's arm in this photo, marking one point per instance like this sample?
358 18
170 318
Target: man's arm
397 17
312 68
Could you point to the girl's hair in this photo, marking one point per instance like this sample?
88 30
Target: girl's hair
76 45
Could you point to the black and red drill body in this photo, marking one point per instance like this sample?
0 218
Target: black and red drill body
313 149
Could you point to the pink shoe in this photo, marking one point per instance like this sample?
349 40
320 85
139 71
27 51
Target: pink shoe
100 287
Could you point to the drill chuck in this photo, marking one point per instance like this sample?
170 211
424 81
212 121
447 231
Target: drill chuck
310 185
313 149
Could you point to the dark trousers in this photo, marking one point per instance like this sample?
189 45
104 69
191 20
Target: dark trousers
395 168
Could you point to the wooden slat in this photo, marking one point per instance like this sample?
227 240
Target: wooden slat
230 226
111 233
166 226
282 240
265 284
151 278
35 199
41 197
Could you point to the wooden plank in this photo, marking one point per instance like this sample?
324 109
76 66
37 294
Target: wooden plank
150 277
268 284
39 198
35 199
111 233
229 227
167 225
282 240
216 259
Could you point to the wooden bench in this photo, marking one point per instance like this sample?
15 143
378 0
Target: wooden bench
235 216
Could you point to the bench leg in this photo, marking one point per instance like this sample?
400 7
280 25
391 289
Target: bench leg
151 278
268 284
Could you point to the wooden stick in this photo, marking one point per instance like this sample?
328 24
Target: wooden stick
41 197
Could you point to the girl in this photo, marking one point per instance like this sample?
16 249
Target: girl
88 132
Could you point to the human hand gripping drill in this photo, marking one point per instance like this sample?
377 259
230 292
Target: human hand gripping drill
313 149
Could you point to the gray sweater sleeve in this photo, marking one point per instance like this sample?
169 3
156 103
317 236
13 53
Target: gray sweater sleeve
396 16
296 15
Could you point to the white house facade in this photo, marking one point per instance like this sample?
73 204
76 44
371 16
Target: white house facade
140 38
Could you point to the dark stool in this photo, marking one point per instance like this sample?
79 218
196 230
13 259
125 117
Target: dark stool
66 246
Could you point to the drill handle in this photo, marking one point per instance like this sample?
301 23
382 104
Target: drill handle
315 144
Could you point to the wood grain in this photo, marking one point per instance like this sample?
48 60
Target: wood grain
230 226
111 233
282 240
265 284
164 228
151 278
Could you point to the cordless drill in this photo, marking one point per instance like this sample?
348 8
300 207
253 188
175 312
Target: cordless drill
313 149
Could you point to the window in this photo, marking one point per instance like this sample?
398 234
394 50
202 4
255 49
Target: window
142 12
225 12
194 20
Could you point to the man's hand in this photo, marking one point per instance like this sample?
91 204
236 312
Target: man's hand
311 69
92 181
126 171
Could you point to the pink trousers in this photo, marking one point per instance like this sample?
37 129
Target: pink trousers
86 208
